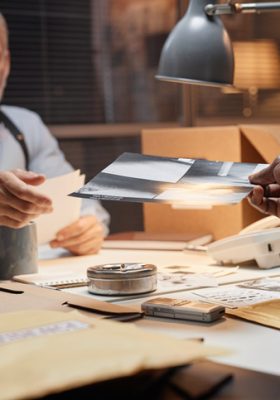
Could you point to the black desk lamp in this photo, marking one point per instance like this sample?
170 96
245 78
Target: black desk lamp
198 49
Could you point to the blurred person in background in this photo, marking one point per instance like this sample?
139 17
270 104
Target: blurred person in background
29 155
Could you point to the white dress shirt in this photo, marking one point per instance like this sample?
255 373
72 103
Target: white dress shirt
45 155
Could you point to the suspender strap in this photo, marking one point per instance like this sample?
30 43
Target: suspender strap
13 129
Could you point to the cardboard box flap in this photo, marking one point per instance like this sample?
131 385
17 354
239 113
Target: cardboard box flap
264 138
212 143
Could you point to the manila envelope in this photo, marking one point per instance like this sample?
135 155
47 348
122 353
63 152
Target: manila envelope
19 296
266 313
44 352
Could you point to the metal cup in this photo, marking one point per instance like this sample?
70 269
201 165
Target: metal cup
18 251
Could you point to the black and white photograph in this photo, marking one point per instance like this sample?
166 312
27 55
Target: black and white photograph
180 181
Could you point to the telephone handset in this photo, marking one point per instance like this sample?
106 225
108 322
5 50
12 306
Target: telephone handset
264 223
259 241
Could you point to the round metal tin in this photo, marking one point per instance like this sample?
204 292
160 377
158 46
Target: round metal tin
122 279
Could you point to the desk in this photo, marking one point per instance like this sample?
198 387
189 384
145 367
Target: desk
252 346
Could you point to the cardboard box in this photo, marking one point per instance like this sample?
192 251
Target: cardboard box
244 143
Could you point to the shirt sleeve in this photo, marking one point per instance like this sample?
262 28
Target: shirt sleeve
47 158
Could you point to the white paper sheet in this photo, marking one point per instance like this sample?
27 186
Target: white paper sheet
268 284
234 297
66 209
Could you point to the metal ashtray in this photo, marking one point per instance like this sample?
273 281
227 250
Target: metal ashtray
122 279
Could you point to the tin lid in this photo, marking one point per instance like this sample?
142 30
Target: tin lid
121 271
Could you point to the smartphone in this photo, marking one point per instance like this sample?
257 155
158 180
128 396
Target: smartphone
182 309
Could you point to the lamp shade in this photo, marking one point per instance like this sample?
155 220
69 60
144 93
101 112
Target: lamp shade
198 50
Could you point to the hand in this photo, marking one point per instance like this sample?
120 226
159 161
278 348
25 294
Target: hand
19 202
266 196
83 237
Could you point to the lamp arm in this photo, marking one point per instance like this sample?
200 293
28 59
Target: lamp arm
237 8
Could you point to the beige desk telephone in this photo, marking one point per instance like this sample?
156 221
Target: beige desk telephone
259 241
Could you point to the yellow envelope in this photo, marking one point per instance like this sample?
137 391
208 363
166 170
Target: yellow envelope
44 352
265 313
